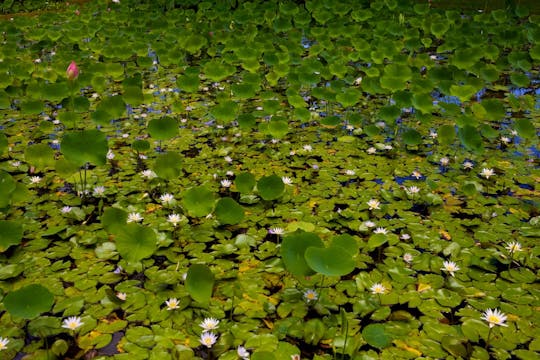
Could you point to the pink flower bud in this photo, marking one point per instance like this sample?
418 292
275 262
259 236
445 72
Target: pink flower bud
72 71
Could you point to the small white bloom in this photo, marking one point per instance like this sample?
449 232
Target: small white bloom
433 134
513 132
209 324
134 217
110 155
408 258
377 288
295 357
174 219
388 147
405 237
167 199
487 173
72 323
505 139
229 173
99 191
468 165
228 159
371 150
450 267
307 148
413 190
121 295
350 172
444 161
374 204
292 153
380 124
226 183
15 163
116 1
37 61
416 174
513 246
494 317
276 231
172 304
208 339
286 180
310 295
242 352
369 224
66 209
149 174
358 81
35 179
3 343
380 230
349 127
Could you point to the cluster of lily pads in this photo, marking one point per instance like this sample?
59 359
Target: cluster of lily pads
349 180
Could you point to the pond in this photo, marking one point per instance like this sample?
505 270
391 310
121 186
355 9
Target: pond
269 180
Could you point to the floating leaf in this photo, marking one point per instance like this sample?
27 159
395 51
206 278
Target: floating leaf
412 137
168 166
376 335
446 134
245 182
113 105
163 129
199 201
29 301
229 211
278 129
293 249
525 128
332 261
134 242
3 143
140 145
199 283
270 187
86 146
347 242
470 138
39 156
225 110
11 233
113 217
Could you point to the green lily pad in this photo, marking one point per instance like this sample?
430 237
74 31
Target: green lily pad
168 166
270 187
377 336
29 301
293 249
332 261
229 211
86 146
163 129
39 156
200 283
245 182
11 233
199 201
135 242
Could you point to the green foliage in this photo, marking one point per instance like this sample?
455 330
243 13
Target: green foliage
168 166
86 146
29 301
293 249
199 201
11 233
200 283
228 211
270 187
164 128
134 242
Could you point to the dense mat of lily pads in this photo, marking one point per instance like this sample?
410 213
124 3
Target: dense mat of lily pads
269 180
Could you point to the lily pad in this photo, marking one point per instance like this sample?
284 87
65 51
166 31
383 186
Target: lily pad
293 249
11 233
29 301
200 283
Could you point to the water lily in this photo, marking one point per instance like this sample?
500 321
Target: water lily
121 295
226 183
134 217
450 267
99 191
377 288
209 324
487 172
242 352
208 339
172 304
350 172
110 155
467 165
444 161
295 357
494 317
167 199
307 148
505 139
369 224
413 190
228 159
310 295
72 323
148 174
174 219
374 204
66 209
416 174
286 180
513 247
380 230
35 179
276 231
371 150
3 343
72 71
408 258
